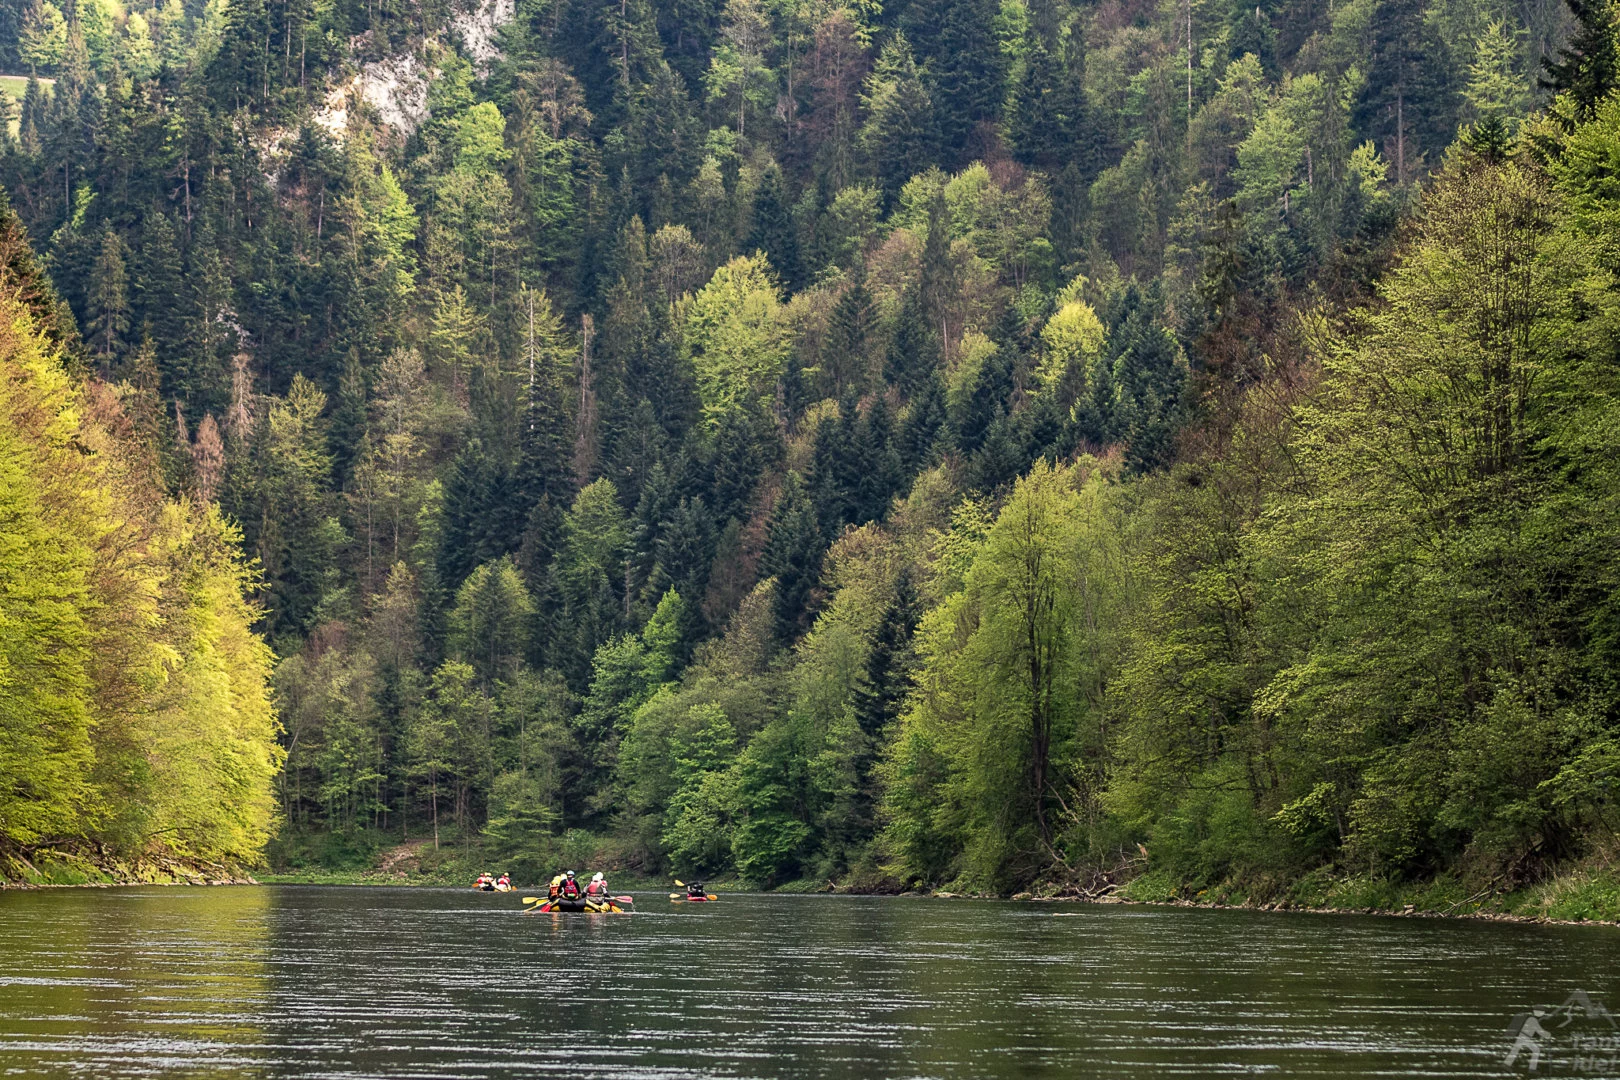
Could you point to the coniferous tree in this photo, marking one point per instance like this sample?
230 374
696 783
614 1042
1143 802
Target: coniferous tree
156 286
543 470
925 422
1250 33
1407 103
107 311
984 403
1588 65
1049 123
31 121
967 72
834 469
900 135
773 232
793 550
849 332
879 475
913 354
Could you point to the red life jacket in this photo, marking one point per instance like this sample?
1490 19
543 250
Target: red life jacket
570 888
596 888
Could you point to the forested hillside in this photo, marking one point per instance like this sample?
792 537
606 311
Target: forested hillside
135 711
915 442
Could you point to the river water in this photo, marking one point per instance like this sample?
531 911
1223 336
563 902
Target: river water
287 981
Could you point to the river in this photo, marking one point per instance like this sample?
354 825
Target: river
289 981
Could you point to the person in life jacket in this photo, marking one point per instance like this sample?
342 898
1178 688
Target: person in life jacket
504 882
695 888
556 886
597 889
568 889
484 882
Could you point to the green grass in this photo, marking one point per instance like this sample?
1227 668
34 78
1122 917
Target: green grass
15 86
1581 893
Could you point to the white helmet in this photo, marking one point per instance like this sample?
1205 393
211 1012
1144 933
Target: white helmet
598 876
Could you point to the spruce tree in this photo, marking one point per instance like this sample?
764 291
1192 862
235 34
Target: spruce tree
793 550
967 69
158 295
543 468
986 401
924 423
1250 33
684 552
878 476
107 315
31 122
883 688
1048 121
1407 103
348 420
832 470
1588 66
849 332
900 136
773 230
913 354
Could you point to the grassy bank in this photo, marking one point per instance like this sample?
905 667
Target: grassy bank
1586 892
377 858
1580 893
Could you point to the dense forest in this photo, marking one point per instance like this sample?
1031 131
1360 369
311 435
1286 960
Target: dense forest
975 442
134 698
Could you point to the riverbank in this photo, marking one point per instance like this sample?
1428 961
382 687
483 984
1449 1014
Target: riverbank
1586 903
68 866
1580 893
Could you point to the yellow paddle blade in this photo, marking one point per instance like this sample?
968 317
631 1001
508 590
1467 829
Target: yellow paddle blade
681 883
533 899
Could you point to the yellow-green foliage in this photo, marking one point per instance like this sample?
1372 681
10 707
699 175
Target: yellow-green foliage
1005 718
133 693
735 338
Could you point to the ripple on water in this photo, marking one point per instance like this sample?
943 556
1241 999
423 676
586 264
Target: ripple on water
340 983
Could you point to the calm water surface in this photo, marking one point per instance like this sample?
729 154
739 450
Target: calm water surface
347 982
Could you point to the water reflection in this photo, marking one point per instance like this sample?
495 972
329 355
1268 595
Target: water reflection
386 982
103 982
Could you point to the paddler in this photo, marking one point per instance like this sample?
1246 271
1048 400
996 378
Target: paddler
504 883
568 888
597 889
694 890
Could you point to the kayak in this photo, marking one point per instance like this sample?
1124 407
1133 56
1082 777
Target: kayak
589 907
688 896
